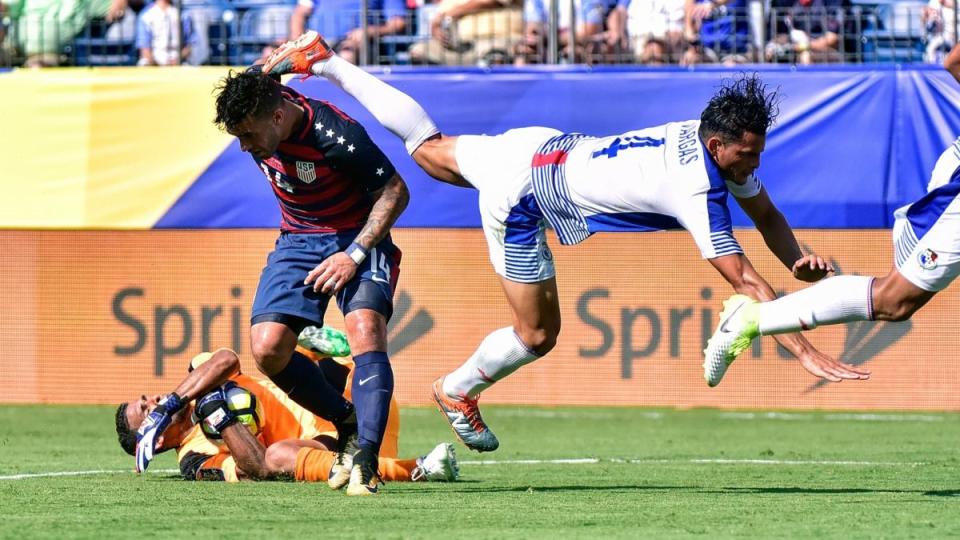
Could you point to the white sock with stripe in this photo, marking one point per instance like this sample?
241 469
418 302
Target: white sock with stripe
499 354
395 110
834 300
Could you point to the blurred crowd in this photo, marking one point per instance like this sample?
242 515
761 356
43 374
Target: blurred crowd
478 32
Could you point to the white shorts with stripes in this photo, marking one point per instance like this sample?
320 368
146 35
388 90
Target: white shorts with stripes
499 167
926 234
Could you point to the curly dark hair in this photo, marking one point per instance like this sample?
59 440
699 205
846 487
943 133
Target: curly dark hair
243 94
126 435
741 105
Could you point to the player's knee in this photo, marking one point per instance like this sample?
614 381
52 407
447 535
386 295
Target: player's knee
889 304
539 340
367 331
900 311
269 355
280 458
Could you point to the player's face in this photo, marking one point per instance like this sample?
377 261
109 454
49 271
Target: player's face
259 136
738 159
137 411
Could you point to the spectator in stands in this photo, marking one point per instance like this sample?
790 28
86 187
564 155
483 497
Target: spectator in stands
44 26
716 31
654 29
339 23
471 31
941 32
808 31
4 51
164 36
589 36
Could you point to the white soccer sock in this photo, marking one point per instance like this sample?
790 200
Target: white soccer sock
834 300
395 110
499 354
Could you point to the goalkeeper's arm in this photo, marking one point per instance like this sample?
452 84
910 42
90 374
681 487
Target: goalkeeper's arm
247 452
209 375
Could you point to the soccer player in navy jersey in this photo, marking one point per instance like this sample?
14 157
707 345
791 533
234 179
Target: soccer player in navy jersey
338 195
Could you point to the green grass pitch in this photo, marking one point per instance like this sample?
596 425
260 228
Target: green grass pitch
656 474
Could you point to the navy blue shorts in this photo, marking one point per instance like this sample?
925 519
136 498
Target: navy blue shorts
282 296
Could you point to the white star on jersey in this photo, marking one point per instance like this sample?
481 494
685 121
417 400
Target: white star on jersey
340 140
329 133
380 171
319 126
351 148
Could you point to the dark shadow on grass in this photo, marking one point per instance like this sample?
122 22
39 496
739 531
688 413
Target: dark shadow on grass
456 488
461 487
827 491
943 493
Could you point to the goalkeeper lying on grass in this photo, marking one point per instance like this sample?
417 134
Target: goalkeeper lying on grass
286 441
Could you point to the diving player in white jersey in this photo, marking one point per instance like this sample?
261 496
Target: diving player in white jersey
926 246
671 176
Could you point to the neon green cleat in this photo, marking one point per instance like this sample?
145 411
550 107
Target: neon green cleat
739 325
325 341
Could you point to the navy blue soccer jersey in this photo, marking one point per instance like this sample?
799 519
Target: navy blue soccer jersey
324 173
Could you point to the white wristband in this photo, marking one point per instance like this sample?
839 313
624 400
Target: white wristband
356 252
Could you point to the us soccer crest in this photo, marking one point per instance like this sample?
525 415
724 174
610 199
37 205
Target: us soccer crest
306 171
927 259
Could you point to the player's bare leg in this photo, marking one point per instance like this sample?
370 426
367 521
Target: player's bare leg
437 157
272 344
895 298
536 325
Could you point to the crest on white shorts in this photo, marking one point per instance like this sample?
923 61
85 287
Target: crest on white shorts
927 259
306 171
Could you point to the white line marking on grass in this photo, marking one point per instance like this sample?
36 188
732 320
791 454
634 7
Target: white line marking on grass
696 461
572 461
25 476
723 461
856 417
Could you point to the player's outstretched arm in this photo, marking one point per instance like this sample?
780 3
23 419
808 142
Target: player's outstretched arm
336 271
779 238
738 271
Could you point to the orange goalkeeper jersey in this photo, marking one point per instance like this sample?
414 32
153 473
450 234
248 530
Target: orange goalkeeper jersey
200 458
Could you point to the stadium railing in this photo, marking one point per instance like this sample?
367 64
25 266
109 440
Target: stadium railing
238 32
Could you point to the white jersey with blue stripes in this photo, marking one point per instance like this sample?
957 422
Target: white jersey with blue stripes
650 179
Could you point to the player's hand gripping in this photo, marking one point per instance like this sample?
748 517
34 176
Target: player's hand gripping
212 409
811 268
152 427
826 367
332 274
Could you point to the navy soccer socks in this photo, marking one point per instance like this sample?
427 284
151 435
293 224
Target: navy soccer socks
372 390
305 383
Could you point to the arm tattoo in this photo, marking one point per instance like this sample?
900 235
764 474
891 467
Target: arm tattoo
390 203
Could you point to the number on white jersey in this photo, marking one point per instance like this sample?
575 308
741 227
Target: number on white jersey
629 141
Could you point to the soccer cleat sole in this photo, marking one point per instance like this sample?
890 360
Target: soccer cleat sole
281 62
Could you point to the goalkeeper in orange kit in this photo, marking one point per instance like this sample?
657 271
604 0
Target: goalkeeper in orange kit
287 442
